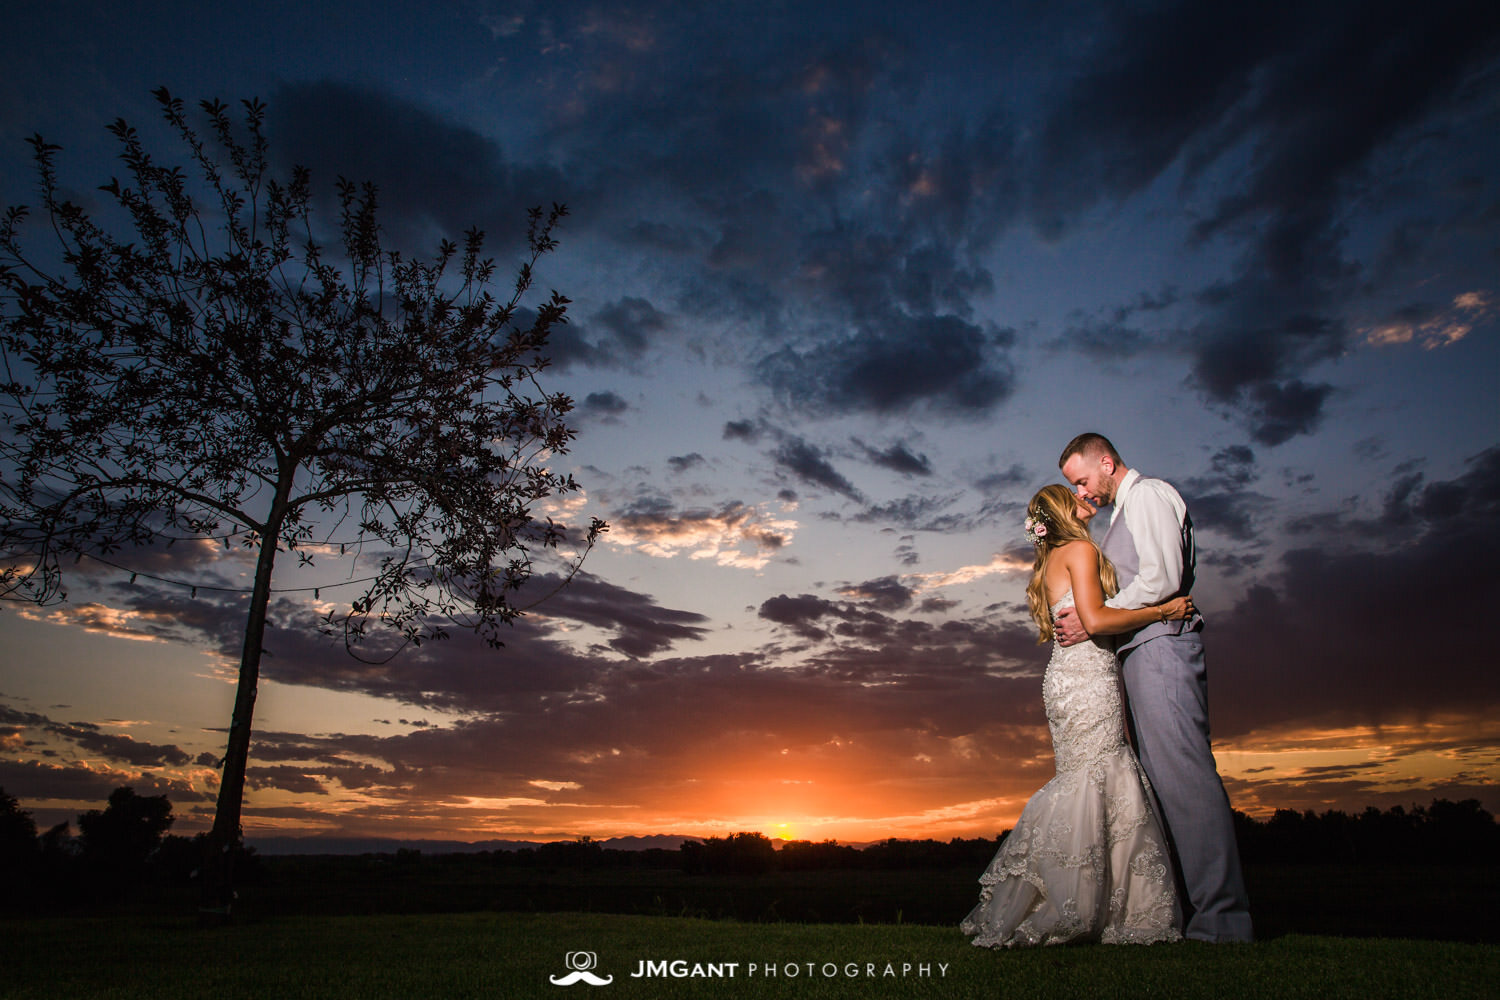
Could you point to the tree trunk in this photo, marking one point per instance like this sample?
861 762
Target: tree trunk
223 842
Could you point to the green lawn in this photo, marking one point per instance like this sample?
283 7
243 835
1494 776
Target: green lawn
493 955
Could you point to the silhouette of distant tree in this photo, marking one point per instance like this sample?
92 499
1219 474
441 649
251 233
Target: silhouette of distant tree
736 854
216 374
1443 833
18 843
122 837
584 853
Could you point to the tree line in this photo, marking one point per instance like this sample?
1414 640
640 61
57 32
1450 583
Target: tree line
116 850
127 844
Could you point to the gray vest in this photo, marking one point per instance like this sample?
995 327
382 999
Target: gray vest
1119 546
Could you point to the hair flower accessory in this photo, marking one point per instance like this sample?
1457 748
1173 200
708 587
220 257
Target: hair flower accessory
1036 529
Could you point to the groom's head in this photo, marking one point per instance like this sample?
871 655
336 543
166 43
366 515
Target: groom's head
1093 467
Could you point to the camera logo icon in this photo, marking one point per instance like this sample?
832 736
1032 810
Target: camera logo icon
581 964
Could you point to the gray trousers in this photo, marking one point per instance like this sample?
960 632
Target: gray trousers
1167 684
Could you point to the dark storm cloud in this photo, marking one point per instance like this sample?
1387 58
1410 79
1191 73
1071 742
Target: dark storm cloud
742 430
644 627
1223 499
939 362
11 716
809 463
1004 480
766 140
633 323
617 336
1355 628
119 748
288 779
915 513
887 593
801 613
431 173
898 458
457 673
604 404
33 779
90 738
859 642
682 463
1315 91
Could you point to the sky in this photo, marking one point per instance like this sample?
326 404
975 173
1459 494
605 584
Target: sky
844 279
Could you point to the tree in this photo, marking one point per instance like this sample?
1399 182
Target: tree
217 374
18 844
123 837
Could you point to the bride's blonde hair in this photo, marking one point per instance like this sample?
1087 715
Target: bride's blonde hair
1052 521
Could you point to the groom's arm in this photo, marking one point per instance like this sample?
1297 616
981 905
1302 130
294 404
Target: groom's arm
1156 515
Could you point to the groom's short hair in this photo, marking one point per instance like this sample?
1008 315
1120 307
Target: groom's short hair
1089 445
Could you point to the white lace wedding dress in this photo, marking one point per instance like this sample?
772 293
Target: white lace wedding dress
1087 860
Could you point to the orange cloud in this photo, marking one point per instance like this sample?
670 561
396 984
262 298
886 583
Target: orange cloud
1447 326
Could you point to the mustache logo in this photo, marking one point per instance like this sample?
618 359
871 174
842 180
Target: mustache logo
581 962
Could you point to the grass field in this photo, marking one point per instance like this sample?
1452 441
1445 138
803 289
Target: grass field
1428 902
493 955
451 928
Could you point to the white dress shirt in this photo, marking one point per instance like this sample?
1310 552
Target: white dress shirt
1156 516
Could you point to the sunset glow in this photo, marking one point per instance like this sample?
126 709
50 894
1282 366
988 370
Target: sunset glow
842 282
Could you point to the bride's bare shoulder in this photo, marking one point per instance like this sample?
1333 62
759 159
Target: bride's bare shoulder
1078 548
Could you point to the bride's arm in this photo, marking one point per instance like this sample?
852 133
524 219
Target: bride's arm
1082 562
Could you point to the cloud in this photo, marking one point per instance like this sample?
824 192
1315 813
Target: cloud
800 613
756 150
887 593
1352 629
1223 500
1015 561
807 463
915 513
435 177
732 534
898 458
618 336
122 749
608 405
77 782
742 430
1187 85
287 779
77 762
935 362
1433 326
1111 337
632 323
1004 480
644 628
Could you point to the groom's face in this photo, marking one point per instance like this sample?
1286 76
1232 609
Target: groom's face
1092 477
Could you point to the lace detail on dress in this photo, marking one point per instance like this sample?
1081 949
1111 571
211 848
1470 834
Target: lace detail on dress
1087 859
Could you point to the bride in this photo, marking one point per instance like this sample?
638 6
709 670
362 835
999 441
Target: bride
1087 860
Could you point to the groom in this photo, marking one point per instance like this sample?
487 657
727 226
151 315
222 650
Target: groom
1150 541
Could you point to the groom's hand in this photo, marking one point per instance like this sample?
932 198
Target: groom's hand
1069 628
